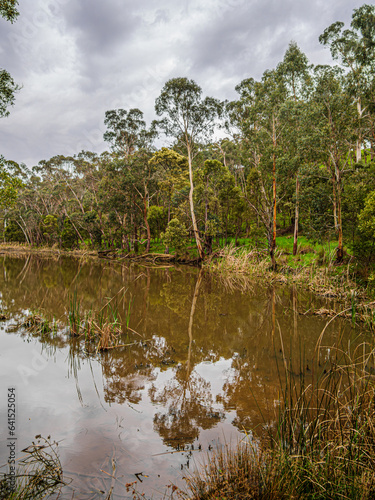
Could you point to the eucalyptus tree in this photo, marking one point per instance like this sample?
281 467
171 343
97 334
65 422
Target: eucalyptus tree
356 189
257 115
232 206
116 201
88 169
355 49
170 172
132 145
190 118
332 116
127 187
35 201
143 180
9 185
66 184
207 181
126 130
8 89
295 72
365 247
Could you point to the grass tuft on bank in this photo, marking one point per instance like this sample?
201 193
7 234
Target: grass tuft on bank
314 268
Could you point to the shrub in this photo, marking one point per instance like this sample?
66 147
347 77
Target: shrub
175 235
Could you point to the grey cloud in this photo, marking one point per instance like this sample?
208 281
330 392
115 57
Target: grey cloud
245 38
161 17
78 58
100 26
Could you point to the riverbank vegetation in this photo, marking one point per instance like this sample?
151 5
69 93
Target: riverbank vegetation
298 158
321 446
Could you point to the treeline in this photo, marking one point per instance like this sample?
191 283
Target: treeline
299 154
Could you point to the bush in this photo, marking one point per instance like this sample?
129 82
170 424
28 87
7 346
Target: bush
175 236
364 244
157 219
13 232
69 237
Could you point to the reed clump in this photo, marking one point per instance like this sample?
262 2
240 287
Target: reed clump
39 474
37 323
231 260
323 446
102 328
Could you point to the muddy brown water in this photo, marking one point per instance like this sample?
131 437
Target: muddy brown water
203 370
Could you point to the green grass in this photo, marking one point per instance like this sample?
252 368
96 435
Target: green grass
308 250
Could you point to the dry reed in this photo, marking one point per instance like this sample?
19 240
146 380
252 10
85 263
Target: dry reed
39 473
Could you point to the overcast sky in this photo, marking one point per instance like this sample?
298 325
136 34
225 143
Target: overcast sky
78 58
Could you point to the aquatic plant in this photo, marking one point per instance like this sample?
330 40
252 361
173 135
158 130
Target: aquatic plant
75 316
39 474
37 323
104 328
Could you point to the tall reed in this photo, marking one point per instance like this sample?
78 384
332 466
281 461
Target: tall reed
323 446
104 327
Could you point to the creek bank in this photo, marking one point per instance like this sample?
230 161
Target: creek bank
153 258
239 268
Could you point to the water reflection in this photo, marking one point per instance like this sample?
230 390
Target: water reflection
201 358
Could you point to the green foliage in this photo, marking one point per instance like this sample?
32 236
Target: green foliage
184 111
367 217
157 219
316 203
8 89
69 239
126 130
50 228
8 10
175 235
364 246
13 232
91 224
9 185
357 188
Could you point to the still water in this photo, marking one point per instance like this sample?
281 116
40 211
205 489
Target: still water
203 367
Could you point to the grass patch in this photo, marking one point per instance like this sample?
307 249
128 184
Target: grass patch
313 269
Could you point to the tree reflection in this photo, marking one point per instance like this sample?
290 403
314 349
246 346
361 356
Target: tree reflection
187 397
126 373
189 408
